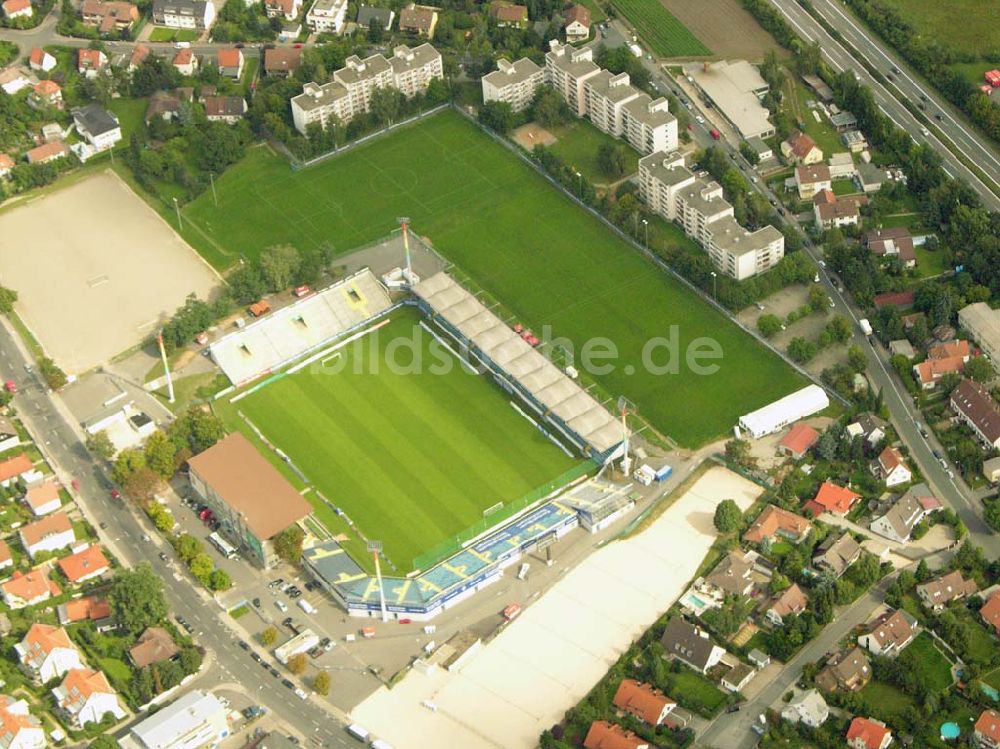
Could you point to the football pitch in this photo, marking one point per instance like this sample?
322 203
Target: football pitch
549 262
411 455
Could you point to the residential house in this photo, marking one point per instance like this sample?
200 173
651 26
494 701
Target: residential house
986 733
903 515
869 177
799 440
604 735
643 701
27 589
327 16
841 165
282 61
836 553
868 733
949 350
18 467
21 729
761 148
47 653
890 467
155 645
85 696
228 109
690 645
902 347
975 407
928 373
90 62
831 498
86 564
6 558
577 25
514 83
230 63
898 299
418 19
51 533
89 608
774 524
894 242
98 126
811 178
737 677
17 9
889 633
731 576
855 141
184 14
801 149
43 499
287 9
163 105
991 470
848 671
46 94
6 164
829 212
14 79
185 61
809 708
383 17
759 658
790 601
41 60
109 16
509 15
139 54
937 593
990 612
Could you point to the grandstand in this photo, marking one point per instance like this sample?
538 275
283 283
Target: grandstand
307 324
520 369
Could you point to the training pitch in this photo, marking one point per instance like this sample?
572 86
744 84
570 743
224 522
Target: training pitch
519 238
95 269
412 456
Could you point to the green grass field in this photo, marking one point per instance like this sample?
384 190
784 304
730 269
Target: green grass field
577 145
518 238
667 36
929 663
965 25
413 459
163 34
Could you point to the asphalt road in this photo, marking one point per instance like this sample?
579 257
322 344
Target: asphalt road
123 534
957 135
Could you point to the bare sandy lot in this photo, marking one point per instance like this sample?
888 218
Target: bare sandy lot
725 28
552 655
531 135
96 270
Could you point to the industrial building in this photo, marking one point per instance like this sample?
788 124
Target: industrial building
982 322
736 89
194 721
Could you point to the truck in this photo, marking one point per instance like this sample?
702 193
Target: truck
647 475
636 50
303 642
866 327
511 612
306 606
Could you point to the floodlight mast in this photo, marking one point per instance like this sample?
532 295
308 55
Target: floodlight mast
166 366
375 547
625 407
404 221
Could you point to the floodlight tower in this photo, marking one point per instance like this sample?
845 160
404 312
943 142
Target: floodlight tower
404 221
375 547
166 365
625 407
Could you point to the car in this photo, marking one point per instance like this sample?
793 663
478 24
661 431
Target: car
256 603
896 70
300 693
256 657
294 739
286 622
276 583
700 119
943 462
921 105
935 453
280 605
938 116
925 131
757 729
240 45
298 45
890 76
163 556
951 474
115 494
295 594
327 644
316 652
923 97
287 683
243 645
10 386
274 672
102 525
733 709
759 306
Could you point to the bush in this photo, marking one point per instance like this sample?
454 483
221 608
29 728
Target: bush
727 516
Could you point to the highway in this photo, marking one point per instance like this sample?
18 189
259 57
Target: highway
60 443
840 59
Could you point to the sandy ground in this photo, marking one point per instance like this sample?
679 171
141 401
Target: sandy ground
724 27
531 135
553 654
95 269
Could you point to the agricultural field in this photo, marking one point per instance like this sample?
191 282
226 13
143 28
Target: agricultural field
520 240
412 455
964 25
667 36
725 27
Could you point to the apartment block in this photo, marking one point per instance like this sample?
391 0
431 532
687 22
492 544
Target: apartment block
567 70
514 83
606 95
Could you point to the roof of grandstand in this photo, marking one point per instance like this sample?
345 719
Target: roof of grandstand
598 499
536 374
290 332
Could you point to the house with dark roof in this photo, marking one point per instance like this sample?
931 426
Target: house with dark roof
904 514
845 672
382 17
836 553
228 109
509 14
890 467
97 126
937 593
801 149
153 646
974 406
282 61
684 642
894 242
731 576
889 633
418 19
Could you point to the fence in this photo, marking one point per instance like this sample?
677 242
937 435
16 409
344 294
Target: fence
455 543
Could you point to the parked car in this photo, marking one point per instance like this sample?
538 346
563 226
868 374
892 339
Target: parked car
287 684
256 603
280 605
243 645
163 556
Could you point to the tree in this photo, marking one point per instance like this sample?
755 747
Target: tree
856 359
923 573
190 659
375 31
288 544
321 684
386 104
279 264
768 325
187 547
198 428
7 299
611 159
100 445
800 350
992 515
201 567
104 741
817 298
128 462
136 598
163 519
141 485
159 453
219 580
748 153
269 636
549 109
738 451
497 116
727 516
54 377
297 664
979 369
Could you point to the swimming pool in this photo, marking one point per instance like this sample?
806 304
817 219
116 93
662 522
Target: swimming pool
950 731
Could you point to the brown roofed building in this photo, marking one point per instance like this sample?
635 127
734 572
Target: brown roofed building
799 439
974 405
939 592
28 589
990 612
577 23
247 494
786 603
508 14
604 735
845 672
865 733
6 558
949 349
643 701
139 54
51 533
85 564
418 19
282 61
987 730
928 372
230 62
775 522
228 109
108 16
802 149
153 646
893 242
20 464
88 608
890 633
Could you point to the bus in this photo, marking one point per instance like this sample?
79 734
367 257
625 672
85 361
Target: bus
225 548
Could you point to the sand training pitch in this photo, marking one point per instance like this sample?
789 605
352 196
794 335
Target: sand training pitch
95 270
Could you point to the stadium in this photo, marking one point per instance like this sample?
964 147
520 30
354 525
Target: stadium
448 475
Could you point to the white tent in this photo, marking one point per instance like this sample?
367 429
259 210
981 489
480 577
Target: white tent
783 412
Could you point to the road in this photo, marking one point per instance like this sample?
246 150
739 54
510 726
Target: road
61 444
840 59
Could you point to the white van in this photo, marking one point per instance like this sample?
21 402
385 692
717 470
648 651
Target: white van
358 732
306 606
379 744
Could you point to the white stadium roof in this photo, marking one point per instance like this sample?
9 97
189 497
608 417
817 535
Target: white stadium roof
774 416
287 333
536 374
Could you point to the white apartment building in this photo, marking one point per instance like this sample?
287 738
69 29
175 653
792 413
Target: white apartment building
740 253
606 95
327 16
567 69
514 83
698 205
648 125
349 93
661 177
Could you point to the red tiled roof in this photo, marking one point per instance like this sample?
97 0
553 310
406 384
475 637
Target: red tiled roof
835 499
90 58
790 601
799 438
37 56
950 349
890 459
230 58
41 495
47 88
932 369
80 684
183 57
5 555
509 13
894 299
29 586
870 732
579 14
13 6
20 463
641 700
991 611
6 162
41 153
282 60
90 607
604 735
771 521
87 562
988 725
801 144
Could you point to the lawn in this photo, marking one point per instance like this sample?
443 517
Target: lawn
885 699
117 671
131 115
597 14
843 187
577 146
825 134
522 241
666 36
412 456
161 34
698 689
930 665
965 25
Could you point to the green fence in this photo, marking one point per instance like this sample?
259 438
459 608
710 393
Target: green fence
454 543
